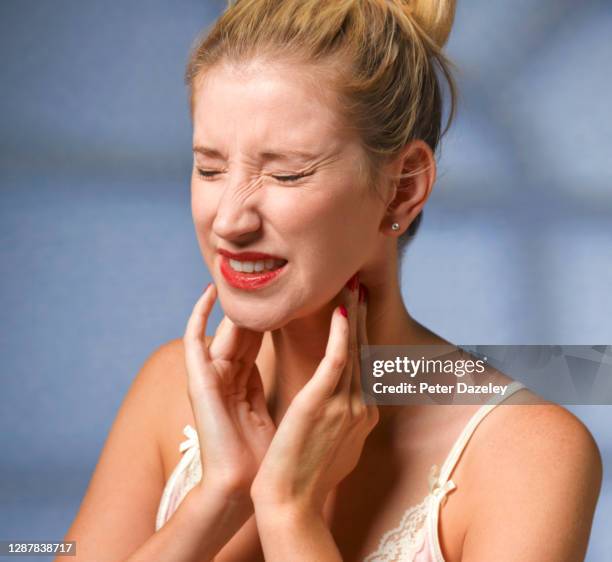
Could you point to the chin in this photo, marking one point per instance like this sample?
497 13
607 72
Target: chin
252 318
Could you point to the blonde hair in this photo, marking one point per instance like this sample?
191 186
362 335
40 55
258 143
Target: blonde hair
382 57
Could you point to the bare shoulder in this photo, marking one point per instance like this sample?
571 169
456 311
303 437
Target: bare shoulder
532 438
129 477
175 411
172 351
164 360
166 368
163 374
536 472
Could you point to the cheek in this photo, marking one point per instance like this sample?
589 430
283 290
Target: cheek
201 206
202 222
336 234
350 217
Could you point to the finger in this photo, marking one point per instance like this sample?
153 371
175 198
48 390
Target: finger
256 395
357 397
325 379
196 350
232 342
226 343
351 296
362 340
251 343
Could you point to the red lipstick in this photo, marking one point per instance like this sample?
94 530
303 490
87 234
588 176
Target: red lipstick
249 281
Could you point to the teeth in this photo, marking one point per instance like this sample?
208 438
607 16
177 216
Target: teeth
255 266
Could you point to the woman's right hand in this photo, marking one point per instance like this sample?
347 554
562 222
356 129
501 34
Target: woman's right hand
226 393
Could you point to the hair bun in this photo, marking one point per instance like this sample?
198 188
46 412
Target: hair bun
435 17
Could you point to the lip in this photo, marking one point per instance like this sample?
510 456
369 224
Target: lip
249 281
248 256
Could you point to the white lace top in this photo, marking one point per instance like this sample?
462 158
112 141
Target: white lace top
415 539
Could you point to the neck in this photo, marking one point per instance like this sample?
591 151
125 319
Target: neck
290 355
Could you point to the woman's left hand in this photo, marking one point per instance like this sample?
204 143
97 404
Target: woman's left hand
320 438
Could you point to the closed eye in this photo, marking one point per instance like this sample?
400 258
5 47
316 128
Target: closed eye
287 179
206 173
290 179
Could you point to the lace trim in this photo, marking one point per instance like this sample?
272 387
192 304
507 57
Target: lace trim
403 542
399 544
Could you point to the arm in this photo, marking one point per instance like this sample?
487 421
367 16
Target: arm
537 490
296 534
117 515
195 532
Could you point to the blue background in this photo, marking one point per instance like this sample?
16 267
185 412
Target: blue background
100 263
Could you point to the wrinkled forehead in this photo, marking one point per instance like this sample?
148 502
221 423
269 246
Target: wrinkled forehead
261 101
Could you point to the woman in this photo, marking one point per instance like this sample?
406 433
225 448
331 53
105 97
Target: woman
315 128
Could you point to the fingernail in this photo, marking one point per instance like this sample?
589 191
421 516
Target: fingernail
353 282
206 288
343 311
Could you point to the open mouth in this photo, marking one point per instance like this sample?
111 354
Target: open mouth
256 267
251 275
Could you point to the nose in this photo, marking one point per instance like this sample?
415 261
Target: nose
236 218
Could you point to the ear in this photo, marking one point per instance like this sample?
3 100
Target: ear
408 195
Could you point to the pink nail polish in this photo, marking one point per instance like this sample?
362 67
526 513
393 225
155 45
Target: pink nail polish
343 311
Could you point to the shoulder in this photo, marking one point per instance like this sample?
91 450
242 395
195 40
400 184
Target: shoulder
165 366
537 472
128 479
165 355
156 376
165 378
162 369
160 380
525 440
164 373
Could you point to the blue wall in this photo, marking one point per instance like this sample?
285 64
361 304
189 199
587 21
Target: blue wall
100 262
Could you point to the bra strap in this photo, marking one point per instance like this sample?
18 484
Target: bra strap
458 446
192 438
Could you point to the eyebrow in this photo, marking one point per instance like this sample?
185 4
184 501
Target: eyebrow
264 155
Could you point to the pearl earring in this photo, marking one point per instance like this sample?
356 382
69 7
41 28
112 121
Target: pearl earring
395 226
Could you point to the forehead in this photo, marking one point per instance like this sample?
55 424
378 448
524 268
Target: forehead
281 103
